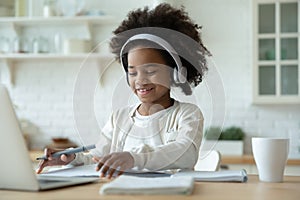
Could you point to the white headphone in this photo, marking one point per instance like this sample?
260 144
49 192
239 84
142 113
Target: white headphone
180 73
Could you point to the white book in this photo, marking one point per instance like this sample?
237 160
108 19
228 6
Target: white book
215 176
125 184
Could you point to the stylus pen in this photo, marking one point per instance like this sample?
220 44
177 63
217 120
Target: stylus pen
69 151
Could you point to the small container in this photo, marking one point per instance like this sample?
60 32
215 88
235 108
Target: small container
35 46
20 8
44 45
57 43
77 46
20 45
4 45
48 9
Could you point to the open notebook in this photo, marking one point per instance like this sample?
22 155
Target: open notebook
218 176
89 171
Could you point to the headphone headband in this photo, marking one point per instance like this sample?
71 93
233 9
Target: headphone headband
179 73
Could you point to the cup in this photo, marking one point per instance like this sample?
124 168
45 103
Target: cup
270 155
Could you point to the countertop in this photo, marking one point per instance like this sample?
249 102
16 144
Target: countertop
248 159
226 160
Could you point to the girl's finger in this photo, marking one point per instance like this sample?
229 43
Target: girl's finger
104 170
96 159
42 165
101 162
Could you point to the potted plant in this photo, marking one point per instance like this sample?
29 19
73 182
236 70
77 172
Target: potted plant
228 142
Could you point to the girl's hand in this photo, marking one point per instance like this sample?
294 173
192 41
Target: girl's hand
118 161
62 160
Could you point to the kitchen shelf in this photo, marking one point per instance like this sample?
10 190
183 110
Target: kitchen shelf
10 59
93 28
29 56
34 21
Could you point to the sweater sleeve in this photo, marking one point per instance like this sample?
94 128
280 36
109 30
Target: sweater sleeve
103 146
182 153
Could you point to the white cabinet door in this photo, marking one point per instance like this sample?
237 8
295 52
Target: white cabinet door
276 52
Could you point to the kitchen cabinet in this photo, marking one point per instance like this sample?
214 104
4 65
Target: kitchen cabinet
276 52
35 38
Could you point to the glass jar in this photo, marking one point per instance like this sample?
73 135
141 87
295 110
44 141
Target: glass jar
4 45
21 45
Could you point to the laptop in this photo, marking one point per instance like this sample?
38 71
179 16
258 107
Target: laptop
16 168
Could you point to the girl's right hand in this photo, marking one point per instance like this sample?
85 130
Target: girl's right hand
51 161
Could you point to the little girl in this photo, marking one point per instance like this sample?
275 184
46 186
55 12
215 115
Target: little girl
159 133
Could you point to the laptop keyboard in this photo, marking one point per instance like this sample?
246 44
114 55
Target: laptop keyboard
45 181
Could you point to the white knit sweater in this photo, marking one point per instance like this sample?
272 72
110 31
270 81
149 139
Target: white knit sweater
169 139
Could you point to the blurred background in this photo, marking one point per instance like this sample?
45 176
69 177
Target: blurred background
45 44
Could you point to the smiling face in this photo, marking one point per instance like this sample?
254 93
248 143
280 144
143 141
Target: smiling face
148 76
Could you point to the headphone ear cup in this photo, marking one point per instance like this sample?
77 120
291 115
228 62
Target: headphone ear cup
182 75
175 76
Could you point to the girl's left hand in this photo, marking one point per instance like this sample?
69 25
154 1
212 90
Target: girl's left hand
118 161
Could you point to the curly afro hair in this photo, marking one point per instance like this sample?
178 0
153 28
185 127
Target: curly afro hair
166 17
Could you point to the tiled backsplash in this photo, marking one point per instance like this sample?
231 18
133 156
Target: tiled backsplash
43 96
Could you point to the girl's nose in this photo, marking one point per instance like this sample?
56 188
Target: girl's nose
141 79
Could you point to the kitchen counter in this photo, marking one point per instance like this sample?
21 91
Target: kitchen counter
248 159
34 154
226 160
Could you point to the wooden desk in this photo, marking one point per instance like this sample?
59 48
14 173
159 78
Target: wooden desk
252 190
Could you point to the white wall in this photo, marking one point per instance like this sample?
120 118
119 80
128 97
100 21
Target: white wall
227 32
43 90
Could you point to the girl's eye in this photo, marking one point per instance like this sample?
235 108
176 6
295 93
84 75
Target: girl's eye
132 73
151 72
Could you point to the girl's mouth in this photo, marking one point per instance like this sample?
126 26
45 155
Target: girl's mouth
144 91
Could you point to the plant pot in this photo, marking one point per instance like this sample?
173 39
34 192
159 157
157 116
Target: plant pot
228 147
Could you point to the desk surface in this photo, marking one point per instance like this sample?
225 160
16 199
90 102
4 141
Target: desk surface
253 189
